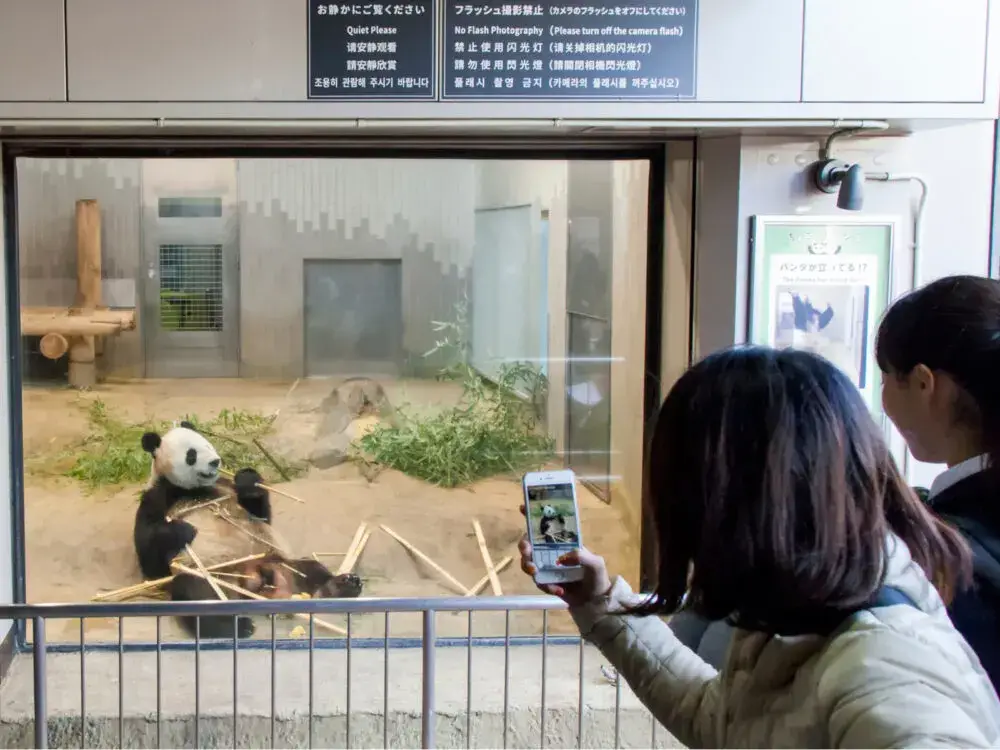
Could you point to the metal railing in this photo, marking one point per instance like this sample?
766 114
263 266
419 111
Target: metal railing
428 642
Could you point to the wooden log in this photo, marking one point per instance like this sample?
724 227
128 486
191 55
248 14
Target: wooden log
82 354
139 588
251 595
483 582
487 560
417 553
53 345
67 326
88 254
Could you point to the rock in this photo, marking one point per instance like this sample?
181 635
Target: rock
351 399
330 451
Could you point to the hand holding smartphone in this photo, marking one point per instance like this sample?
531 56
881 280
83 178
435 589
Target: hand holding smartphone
553 515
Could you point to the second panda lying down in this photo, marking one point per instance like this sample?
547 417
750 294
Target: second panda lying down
186 475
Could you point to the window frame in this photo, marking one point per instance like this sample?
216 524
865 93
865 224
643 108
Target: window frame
610 147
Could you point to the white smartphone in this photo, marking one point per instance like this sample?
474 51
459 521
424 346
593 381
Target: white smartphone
553 523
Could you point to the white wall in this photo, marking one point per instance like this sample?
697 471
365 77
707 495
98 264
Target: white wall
956 161
6 538
755 58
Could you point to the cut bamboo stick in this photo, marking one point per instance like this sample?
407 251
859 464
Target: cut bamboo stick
269 488
487 561
413 550
330 554
138 588
251 595
271 544
483 582
347 565
355 541
204 571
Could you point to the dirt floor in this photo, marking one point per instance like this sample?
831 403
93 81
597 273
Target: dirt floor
79 543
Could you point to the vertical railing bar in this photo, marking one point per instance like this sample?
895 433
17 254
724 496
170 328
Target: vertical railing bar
429 643
506 675
236 682
312 644
41 688
652 733
618 709
197 682
159 685
274 680
580 707
347 720
121 682
545 659
468 686
385 686
83 686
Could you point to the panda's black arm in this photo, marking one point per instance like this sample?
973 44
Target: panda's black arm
157 539
251 496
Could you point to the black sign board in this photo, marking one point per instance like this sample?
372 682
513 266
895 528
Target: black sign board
569 49
360 49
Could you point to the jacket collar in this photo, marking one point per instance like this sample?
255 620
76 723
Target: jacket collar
956 474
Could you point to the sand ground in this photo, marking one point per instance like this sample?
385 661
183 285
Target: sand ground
79 543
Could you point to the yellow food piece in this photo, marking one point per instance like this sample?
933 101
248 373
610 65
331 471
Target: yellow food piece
297 632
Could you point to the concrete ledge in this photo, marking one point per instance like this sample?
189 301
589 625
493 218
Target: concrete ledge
329 699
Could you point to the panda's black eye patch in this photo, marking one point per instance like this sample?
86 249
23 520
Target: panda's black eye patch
192 456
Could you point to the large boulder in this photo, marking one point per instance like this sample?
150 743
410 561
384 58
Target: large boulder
351 399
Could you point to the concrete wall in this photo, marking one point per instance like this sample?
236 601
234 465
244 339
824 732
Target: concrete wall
755 58
48 190
295 209
744 176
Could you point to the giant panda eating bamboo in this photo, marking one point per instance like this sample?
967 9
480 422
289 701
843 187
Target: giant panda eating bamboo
189 509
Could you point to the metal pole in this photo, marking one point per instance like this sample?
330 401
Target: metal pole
41 710
428 680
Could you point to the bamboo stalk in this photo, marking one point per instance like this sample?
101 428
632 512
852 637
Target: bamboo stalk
413 550
267 487
251 595
272 544
487 561
296 572
330 554
205 574
355 541
483 582
138 588
351 560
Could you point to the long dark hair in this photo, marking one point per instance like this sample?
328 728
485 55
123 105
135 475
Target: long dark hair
952 325
769 476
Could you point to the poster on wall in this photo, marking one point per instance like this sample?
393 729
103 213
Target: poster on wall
822 284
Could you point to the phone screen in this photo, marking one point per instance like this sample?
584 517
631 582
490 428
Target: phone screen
551 511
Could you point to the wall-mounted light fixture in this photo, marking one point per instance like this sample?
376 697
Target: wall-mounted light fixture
846 180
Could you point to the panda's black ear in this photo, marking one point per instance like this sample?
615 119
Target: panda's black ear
188 426
150 442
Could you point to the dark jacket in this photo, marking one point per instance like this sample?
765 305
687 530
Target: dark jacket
973 506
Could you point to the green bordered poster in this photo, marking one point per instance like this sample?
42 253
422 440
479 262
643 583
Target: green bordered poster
822 284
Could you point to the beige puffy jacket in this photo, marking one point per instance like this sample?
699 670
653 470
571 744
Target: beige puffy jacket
896 677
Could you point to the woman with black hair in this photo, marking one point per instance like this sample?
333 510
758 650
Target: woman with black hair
939 350
776 505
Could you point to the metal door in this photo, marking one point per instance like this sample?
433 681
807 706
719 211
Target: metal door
190 298
353 317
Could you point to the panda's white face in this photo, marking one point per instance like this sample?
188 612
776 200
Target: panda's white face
185 458
549 512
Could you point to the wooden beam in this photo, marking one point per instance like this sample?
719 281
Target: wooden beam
82 354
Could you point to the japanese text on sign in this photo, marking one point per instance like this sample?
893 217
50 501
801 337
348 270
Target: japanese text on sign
594 50
371 50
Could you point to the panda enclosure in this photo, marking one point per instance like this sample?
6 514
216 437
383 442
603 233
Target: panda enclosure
280 358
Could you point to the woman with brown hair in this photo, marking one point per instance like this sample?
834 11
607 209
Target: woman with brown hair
770 484
939 350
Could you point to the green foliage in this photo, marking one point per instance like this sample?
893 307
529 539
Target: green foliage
493 430
111 453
